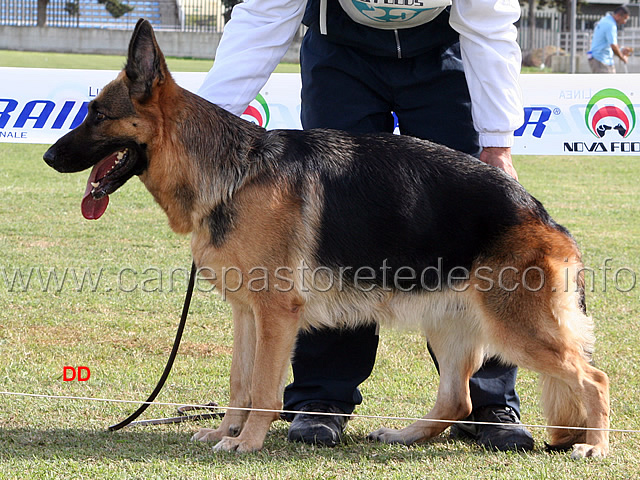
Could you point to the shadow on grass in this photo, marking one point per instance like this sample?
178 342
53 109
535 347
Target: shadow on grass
137 445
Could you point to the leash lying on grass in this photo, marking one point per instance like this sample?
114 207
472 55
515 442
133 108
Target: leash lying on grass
182 416
163 378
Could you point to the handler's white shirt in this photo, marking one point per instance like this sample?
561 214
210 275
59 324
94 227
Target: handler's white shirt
260 32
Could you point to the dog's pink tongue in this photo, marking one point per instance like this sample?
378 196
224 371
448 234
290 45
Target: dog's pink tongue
93 209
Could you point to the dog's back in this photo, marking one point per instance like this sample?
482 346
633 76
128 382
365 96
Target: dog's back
403 201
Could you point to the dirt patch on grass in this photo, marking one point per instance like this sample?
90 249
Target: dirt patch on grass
47 335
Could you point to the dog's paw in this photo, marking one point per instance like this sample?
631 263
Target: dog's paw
207 435
388 435
236 444
584 450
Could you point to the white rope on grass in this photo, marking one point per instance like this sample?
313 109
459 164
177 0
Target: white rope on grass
295 412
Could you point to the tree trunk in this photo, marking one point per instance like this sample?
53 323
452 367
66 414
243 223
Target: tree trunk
42 13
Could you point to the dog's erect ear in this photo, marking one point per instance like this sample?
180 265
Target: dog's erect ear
145 62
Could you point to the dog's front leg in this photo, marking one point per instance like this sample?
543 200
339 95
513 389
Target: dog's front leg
244 341
276 330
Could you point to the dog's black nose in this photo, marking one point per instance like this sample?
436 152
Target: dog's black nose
50 156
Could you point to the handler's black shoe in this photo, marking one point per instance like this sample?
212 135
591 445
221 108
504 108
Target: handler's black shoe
495 437
323 430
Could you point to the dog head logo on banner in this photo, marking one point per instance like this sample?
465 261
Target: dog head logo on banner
610 110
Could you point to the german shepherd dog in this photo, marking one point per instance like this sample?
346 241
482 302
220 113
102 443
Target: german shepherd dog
322 228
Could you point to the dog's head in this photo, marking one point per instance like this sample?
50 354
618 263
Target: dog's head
120 125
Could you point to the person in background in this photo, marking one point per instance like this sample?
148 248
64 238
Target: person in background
604 44
449 72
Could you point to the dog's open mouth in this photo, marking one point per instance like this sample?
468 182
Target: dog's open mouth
106 177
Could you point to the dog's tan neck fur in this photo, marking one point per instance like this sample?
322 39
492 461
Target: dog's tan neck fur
219 168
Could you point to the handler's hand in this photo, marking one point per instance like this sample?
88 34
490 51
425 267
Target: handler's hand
499 157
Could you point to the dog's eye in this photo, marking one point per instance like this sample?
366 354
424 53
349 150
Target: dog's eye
100 116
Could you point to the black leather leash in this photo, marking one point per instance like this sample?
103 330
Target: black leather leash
182 416
167 369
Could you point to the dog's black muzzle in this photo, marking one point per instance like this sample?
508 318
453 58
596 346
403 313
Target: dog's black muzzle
50 157
67 157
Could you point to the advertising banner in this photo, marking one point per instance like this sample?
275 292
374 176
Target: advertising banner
563 114
579 114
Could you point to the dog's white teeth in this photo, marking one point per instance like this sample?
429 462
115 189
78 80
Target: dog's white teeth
95 184
119 156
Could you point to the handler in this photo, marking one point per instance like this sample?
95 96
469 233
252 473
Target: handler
361 60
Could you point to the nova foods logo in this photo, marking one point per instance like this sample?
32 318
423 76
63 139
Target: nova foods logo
610 117
610 110
258 112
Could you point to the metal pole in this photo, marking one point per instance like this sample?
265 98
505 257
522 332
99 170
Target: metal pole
572 30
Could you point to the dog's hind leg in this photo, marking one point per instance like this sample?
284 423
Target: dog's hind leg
534 313
547 331
576 394
244 339
459 356
276 329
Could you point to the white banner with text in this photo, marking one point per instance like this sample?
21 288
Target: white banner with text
563 114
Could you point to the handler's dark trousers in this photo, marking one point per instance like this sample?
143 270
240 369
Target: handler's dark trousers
350 90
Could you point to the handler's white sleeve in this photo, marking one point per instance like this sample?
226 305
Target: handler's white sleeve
253 43
492 60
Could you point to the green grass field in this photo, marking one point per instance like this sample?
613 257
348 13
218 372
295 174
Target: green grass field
121 324
9 58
